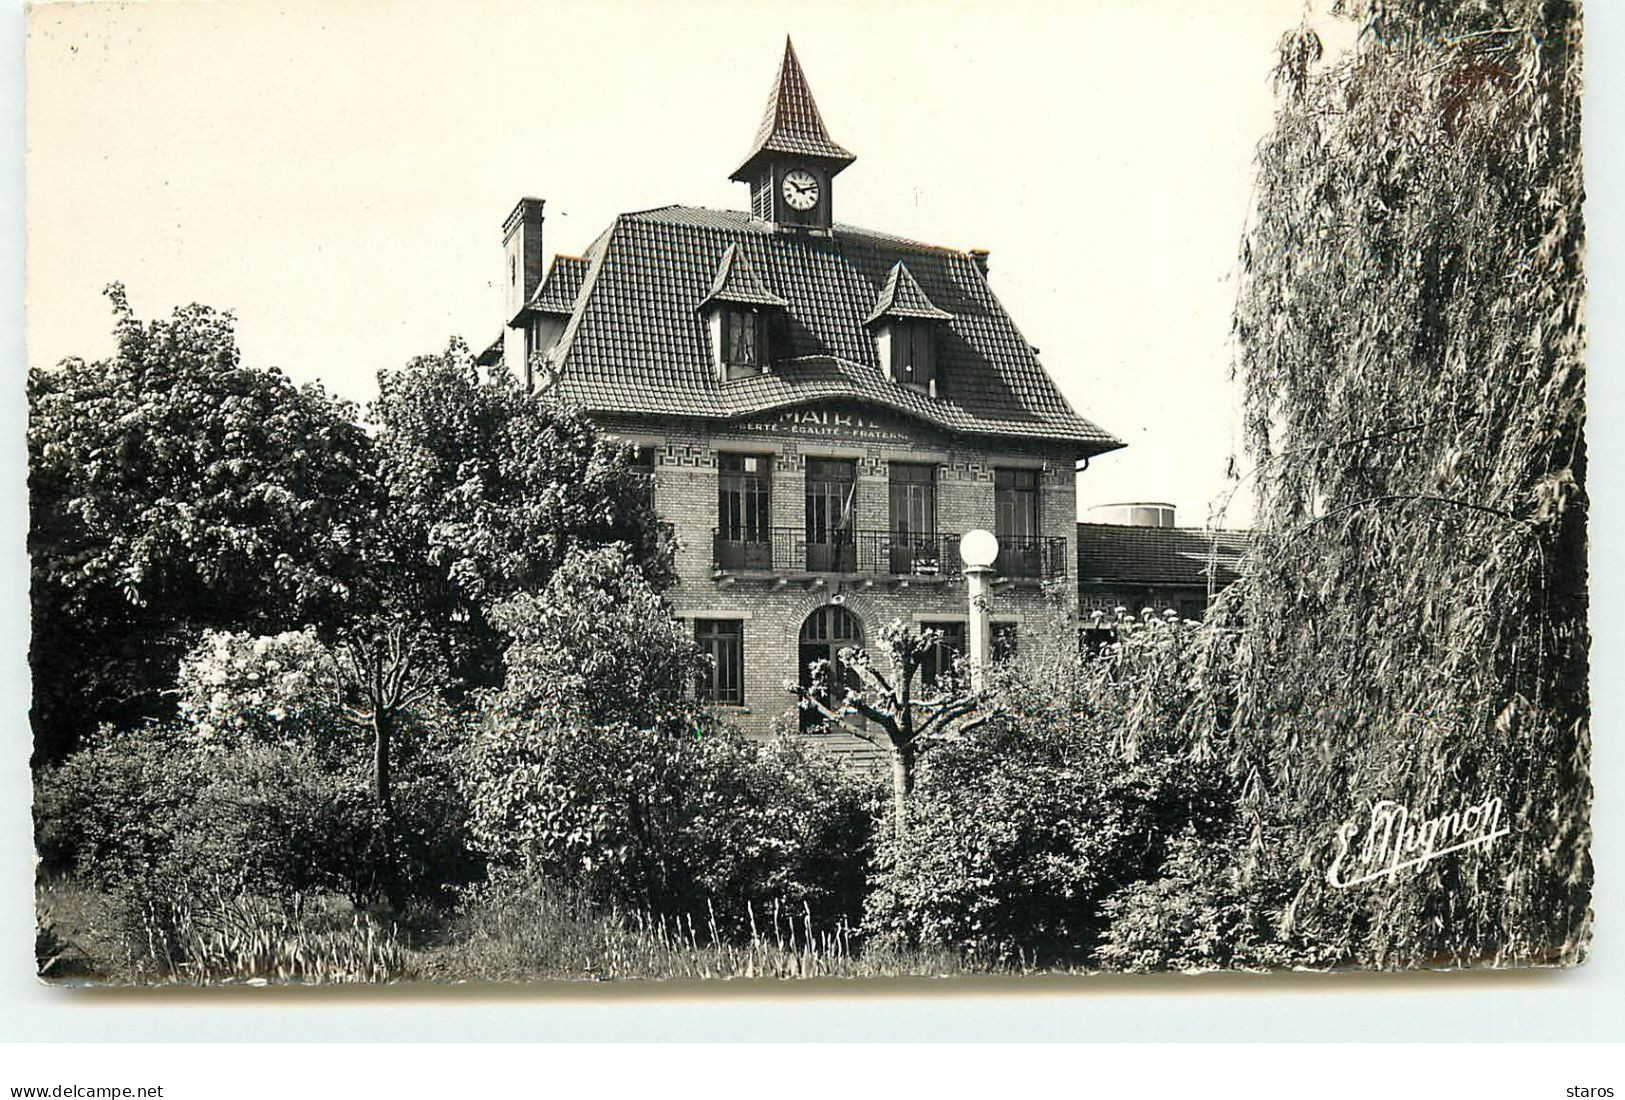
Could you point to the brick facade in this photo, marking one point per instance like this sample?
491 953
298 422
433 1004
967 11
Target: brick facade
773 603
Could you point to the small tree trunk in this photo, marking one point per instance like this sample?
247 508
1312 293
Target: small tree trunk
902 785
382 731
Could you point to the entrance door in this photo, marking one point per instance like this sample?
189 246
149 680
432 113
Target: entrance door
832 487
826 632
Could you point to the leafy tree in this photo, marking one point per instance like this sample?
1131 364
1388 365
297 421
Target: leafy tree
491 486
584 743
488 489
172 489
1409 335
598 643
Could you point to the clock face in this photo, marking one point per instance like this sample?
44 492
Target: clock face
800 189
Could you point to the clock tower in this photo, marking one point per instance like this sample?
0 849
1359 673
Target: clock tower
793 162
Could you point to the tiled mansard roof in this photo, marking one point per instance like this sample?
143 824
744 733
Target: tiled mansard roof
557 294
636 340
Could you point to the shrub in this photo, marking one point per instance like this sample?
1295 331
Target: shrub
595 767
160 807
108 812
1020 831
1201 912
778 822
671 819
599 644
1015 839
267 819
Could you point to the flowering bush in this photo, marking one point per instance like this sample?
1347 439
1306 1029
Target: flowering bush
284 687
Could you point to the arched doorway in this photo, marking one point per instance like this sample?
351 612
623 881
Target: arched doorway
827 631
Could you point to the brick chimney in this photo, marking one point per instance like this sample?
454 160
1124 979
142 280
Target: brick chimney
522 255
978 256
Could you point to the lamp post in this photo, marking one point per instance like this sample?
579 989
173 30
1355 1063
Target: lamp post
979 550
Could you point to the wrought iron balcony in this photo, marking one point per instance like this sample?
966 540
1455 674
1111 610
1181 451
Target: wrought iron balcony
839 550
1031 556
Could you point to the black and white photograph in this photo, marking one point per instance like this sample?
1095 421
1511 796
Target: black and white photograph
525 494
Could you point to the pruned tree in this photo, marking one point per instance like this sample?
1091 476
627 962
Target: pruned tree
894 709
388 670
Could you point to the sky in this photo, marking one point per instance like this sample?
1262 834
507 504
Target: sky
336 174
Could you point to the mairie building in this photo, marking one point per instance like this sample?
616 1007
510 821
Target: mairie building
823 411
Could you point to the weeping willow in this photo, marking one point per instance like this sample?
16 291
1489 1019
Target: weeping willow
1410 343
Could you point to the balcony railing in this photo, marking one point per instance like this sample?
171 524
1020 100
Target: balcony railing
797 550
1031 556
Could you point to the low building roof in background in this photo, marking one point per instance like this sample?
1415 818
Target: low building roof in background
1112 553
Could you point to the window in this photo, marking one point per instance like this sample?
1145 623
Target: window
831 499
915 547
1003 642
744 511
642 463
1015 522
723 641
741 342
911 352
1093 640
939 663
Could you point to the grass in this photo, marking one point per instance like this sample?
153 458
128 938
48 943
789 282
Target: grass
87 935
535 931
501 933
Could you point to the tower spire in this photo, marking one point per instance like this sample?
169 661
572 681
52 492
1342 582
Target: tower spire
791 124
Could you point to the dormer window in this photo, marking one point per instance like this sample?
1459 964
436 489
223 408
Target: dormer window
743 337
913 353
906 324
736 312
